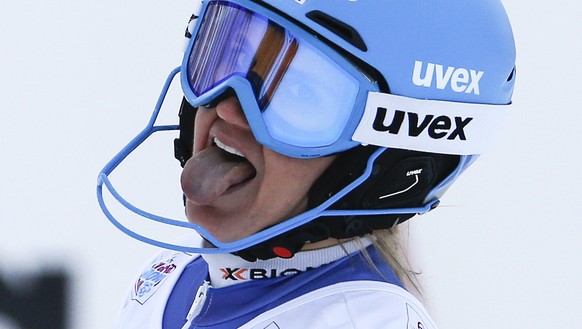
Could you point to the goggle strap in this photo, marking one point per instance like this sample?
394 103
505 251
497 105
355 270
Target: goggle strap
183 145
191 24
429 126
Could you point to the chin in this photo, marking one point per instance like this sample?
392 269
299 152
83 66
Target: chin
223 230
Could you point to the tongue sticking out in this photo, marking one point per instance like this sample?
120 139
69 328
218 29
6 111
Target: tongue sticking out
211 172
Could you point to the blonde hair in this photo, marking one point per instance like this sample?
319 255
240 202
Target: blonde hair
392 245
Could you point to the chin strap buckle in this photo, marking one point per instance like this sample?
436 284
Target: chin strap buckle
286 245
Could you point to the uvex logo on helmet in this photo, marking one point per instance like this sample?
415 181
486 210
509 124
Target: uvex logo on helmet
459 80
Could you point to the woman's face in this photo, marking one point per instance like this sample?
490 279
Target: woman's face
233 197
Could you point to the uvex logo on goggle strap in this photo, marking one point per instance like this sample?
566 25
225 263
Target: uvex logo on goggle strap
429 125
242 274
437 128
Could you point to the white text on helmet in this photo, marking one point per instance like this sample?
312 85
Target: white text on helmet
414 172
459 79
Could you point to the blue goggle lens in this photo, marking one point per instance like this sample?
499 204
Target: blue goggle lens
304 98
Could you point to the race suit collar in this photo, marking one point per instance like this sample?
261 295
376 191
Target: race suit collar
227 269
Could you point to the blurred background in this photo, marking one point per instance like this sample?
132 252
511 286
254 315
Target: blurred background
78 79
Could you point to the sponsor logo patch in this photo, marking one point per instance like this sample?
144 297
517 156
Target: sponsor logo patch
243 274
151 279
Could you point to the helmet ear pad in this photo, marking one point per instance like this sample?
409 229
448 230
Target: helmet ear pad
399 179
184 144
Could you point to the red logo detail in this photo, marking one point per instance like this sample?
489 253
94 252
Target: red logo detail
233 273
165 268
282 252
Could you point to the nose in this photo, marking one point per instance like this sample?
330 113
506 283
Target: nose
231 111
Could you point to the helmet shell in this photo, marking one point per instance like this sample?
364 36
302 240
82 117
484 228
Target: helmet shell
464 48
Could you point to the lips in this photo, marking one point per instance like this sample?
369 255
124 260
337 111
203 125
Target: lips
213 172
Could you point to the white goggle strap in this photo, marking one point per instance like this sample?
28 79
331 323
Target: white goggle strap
428 125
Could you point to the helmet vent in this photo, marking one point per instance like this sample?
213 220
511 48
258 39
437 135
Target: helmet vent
511 75
338 27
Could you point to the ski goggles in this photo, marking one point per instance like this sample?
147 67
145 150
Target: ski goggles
300 97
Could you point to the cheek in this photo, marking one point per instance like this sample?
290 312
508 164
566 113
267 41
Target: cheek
293 177
305 170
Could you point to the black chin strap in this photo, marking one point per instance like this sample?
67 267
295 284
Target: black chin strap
288 244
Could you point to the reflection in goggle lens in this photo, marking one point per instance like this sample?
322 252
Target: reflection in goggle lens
236 41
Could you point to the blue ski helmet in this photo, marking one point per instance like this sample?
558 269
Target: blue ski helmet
407 93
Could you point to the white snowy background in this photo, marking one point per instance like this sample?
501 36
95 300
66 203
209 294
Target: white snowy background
79 78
